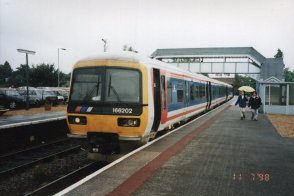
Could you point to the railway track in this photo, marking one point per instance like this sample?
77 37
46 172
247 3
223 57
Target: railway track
66 180
21 160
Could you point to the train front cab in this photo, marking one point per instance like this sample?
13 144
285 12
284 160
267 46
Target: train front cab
103 107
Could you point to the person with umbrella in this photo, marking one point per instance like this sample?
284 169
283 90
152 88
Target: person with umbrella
254 103
242 104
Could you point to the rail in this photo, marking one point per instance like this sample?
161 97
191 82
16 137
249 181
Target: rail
20 160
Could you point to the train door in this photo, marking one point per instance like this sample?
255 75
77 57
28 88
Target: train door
163 97
156 98
208 95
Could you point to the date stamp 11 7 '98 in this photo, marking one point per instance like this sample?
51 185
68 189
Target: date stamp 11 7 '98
256 177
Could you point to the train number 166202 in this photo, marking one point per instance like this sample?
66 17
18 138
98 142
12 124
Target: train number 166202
122 110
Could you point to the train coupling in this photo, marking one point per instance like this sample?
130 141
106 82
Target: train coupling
104 143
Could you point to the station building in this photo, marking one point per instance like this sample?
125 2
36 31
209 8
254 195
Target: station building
276 94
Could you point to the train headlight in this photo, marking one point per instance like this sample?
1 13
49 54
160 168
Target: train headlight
128 122
77 120
80 120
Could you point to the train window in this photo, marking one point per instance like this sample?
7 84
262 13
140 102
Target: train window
122 85
215 91
193 95
169 92
201 91
197 91
86 85
221 91
180 92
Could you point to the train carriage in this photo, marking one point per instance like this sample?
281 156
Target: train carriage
127 97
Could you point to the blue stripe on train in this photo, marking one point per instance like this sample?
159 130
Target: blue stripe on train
177 106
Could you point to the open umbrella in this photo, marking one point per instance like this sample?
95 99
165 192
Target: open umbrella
246 89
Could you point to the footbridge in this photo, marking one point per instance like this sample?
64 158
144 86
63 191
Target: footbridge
229 60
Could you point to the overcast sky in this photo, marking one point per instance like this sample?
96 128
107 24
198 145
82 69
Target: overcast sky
78 25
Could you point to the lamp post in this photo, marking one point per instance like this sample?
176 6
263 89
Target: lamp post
58 66
105 44
27 74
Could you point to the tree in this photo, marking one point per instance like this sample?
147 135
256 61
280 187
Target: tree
39 76
129 48
289 75
5 73
43 75
279 54
243 81
18 77
64 79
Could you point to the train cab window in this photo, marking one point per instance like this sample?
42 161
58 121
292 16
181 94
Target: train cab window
118 85
122 85
86 85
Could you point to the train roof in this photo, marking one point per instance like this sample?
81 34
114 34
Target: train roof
138 58
124 56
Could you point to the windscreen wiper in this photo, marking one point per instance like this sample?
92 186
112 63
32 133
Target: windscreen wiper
90 93
113 89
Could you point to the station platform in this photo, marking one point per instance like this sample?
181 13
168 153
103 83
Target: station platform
22 120
216 154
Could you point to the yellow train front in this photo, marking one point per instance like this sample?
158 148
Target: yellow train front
108 103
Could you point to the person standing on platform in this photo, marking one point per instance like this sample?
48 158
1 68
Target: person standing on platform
242 104
254 103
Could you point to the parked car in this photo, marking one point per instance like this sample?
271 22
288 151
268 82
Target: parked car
10 98
35 95
3 110
50 92
64 94
60 97
49 97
